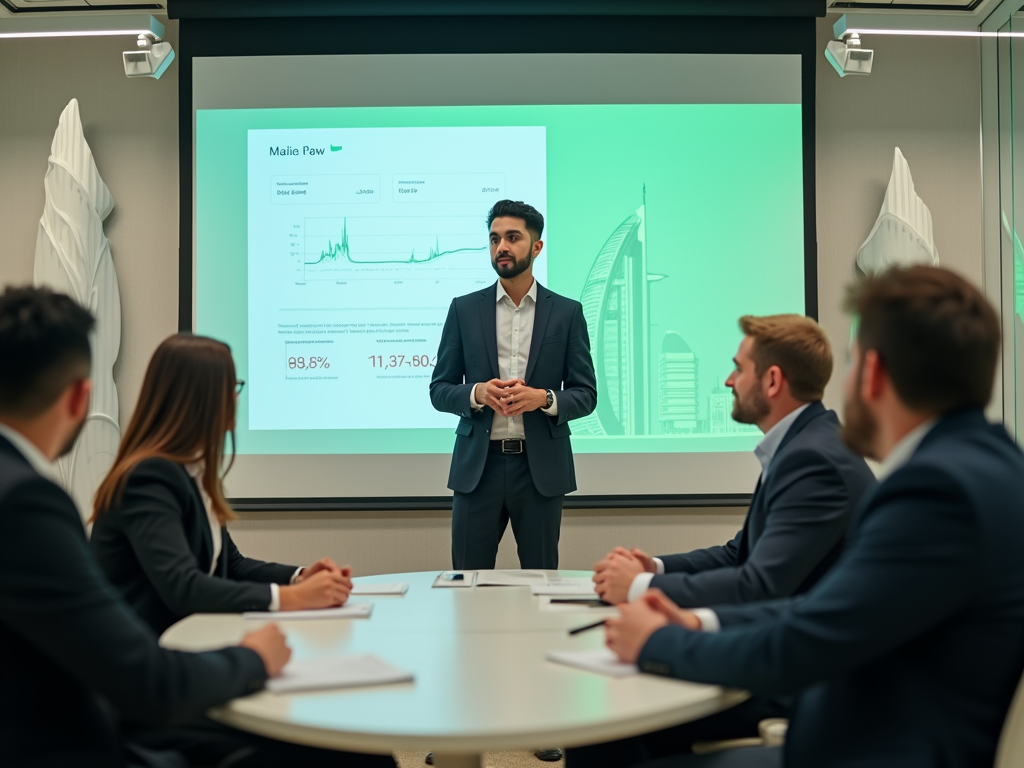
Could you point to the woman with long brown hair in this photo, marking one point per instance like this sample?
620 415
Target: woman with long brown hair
159 517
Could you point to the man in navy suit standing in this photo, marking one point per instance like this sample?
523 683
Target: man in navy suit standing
907 653
514 363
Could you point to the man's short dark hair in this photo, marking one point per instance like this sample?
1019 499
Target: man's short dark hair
520 210
44 347
935 333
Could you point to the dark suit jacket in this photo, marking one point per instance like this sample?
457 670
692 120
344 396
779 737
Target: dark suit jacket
155 546
795 526
559 360
70 646
907 653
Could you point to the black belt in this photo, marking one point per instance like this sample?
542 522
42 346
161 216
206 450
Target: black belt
511 445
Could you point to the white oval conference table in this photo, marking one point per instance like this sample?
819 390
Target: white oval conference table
481 682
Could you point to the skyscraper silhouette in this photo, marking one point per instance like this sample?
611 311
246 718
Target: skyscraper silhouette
677 386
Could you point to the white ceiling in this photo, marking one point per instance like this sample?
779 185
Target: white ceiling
158 7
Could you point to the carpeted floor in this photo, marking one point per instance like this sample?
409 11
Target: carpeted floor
521 759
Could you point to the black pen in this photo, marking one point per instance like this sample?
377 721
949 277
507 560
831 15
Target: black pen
595 625
590 603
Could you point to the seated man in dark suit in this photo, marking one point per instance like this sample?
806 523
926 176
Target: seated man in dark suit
810 486
907 654
76 662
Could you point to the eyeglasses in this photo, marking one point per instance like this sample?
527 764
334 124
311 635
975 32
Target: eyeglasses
239 386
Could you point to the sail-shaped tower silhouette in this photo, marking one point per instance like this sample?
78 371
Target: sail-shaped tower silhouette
616 304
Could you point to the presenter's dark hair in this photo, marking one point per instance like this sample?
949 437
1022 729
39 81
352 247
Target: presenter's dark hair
185 412
934 332
797 345
44 348
520 210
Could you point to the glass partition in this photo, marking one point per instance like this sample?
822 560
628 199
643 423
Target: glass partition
1010 72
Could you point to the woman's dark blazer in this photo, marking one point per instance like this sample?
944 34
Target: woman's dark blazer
155 546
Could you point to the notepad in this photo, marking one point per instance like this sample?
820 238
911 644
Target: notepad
343 672
396 588
571 587
444 579
510 578
350 611
600 660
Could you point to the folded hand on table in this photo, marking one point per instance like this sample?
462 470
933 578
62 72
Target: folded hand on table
637 621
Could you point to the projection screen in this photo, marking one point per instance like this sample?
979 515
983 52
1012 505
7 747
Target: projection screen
340 202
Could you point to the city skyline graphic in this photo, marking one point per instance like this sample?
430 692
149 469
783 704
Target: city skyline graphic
649 378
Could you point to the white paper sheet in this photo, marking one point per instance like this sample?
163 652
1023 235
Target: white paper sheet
443 582
396 588
568 587
350 611
510 578
343 672
600 660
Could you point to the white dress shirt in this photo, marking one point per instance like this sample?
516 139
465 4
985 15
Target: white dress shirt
904 449
196 471
514 327
898 456
765 452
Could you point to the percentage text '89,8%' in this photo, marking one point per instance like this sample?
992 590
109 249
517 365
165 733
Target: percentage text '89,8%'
308 363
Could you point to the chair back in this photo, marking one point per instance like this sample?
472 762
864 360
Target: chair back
1010 752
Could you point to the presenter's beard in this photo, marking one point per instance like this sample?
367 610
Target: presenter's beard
859 428
751 410
515 269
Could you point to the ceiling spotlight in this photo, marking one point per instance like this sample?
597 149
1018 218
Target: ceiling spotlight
848 58
150 61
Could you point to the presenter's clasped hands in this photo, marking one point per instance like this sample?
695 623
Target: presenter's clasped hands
614 575
269 642
510 397
323 589
637 621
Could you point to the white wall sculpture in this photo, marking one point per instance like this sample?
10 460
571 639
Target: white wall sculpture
73 256
902 234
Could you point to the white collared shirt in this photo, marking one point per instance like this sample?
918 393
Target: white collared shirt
196 471
765 452
514 327
769 445
32 454
904 449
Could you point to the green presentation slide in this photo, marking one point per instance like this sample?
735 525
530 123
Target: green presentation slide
331 241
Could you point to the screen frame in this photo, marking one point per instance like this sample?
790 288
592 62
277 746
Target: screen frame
476 34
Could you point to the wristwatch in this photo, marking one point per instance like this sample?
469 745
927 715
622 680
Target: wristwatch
551 399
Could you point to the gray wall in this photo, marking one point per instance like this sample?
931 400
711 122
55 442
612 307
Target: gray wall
922 97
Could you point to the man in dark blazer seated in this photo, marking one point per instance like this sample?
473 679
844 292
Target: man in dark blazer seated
810 485
514 362
907 653
810 482
76 661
